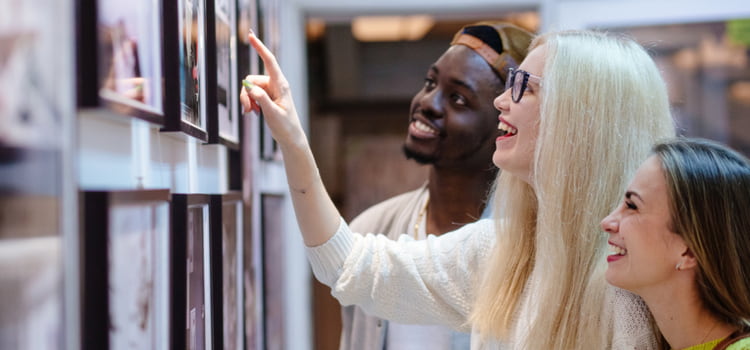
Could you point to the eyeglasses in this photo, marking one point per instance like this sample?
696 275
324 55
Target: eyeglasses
518 81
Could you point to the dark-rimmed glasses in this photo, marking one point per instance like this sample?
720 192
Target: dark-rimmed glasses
518 81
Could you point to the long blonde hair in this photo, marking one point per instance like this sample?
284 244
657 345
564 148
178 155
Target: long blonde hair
603 105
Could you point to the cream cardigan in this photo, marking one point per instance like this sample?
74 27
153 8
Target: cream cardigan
433 282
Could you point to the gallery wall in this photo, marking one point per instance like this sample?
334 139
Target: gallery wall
135 195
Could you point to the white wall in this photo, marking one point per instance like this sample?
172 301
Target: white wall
116 152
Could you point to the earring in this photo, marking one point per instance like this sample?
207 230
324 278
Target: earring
678 266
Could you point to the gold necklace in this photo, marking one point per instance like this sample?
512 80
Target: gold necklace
419 219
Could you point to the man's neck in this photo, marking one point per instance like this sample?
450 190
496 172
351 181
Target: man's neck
457 197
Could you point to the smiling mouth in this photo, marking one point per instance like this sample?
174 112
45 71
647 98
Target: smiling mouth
615 250
424 128
506 129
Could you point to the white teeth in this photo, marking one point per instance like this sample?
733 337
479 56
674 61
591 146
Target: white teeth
507 128
424 127
617 250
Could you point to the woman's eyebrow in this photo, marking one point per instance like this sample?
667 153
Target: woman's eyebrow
629 194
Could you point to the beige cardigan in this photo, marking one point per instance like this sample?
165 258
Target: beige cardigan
441 276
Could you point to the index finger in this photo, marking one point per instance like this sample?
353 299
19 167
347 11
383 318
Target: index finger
269 60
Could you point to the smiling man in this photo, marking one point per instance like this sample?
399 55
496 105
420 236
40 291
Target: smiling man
452 128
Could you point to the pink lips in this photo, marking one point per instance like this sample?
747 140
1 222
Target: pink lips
508 135
614 257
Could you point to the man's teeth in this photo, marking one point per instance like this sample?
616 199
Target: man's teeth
506 129
424 127
617 250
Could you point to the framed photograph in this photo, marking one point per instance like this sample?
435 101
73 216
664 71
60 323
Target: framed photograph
247 19
268 31
252 282
36 72
191 274
185 67
226 234
126 271
125 73
31 275
272 227
221 40
240 163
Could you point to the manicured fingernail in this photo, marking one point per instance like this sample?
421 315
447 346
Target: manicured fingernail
251 32
248 85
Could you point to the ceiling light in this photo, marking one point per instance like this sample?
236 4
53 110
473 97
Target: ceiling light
391 28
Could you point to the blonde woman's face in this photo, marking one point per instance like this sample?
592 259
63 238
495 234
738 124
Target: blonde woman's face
514 151
643 250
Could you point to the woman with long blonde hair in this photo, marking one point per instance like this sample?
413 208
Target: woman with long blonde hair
576 119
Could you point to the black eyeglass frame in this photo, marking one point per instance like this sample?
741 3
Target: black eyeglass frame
510 83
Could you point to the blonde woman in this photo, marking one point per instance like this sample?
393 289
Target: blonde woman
680 241
579 115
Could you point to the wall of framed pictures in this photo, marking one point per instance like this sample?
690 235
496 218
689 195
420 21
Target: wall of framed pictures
161 139
130 182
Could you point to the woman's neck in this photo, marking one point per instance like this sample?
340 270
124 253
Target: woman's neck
682 318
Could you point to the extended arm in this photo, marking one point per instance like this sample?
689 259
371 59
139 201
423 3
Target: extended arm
317 217
429 281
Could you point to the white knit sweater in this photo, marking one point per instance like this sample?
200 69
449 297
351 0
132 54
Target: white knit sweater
433 281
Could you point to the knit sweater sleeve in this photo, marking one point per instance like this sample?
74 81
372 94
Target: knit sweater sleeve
429 281
632 327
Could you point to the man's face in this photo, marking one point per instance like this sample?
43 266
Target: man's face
452 120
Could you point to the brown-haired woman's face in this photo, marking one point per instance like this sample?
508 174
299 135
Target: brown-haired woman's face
643 250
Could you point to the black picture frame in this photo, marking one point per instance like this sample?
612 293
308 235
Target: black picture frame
223 100
120 57
126 270
226 242
273 255
268 32
191 275
252 279
240 176
185 67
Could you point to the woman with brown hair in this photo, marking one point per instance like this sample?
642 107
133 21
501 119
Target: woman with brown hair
680 240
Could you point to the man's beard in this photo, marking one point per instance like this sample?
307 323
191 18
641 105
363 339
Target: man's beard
419 158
